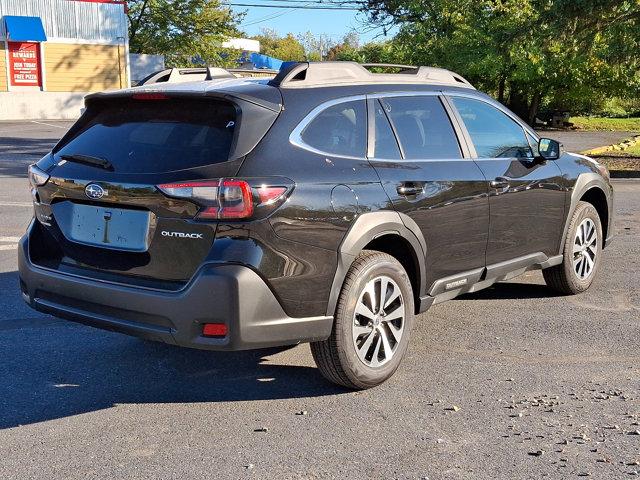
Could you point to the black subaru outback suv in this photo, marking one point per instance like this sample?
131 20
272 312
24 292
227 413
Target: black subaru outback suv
327 205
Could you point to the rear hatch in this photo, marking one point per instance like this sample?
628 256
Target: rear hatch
113 205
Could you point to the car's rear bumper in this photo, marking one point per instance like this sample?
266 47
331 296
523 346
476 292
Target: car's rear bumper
231 294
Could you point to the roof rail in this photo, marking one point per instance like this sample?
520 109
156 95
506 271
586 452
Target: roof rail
320 74
389 65
215 73
250 71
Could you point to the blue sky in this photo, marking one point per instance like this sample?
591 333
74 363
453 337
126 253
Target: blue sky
329 23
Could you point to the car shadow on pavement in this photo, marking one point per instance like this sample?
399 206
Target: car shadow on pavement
16 154
511 291
53 369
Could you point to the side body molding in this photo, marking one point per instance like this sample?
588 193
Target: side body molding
368 227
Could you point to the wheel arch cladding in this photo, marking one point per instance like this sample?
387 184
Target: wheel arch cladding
385 231
596 197
591 187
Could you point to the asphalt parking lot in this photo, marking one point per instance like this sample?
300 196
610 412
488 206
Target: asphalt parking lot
545 386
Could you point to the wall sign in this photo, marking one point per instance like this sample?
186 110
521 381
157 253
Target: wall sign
24 64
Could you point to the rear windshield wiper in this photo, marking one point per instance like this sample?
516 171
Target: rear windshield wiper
88 160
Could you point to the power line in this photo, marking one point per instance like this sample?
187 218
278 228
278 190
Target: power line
317 2
272 16
267 18
299 5
296 7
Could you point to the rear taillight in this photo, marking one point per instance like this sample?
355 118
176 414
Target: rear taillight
226 198
149 96
236 200
37 177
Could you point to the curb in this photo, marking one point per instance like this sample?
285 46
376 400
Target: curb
619 147
624 173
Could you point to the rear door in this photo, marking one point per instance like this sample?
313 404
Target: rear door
427 176
526 196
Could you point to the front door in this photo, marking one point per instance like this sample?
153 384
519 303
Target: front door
526 198
427 177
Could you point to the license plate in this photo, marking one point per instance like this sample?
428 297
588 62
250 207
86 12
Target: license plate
114 228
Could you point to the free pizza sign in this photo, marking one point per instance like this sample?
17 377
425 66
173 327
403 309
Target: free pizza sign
24 64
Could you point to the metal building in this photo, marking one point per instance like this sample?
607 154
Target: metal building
53 52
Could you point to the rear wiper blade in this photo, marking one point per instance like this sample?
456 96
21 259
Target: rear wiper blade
88 160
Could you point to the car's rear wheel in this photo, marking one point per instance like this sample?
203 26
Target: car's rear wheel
582 253
374 318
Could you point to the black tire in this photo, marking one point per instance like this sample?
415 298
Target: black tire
337 357
563 278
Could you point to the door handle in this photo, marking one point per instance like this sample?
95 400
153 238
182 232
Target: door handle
499 182
409 189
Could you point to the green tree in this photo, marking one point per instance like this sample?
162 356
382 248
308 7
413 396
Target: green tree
286 48
185 31
316 48
346 49
526 52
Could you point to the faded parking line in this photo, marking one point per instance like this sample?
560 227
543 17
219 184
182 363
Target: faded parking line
16 204
50 125
11 241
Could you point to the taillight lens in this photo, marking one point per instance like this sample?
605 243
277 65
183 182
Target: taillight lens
236 200
269 195
37 177
225 198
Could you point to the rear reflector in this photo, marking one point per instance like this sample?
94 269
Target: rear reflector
214 330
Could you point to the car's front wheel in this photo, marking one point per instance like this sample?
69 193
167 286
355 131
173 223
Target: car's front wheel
374 318
582 253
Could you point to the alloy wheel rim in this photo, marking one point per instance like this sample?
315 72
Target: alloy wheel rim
585 249
378 321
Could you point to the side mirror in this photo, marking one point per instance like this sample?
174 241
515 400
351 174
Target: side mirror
549 149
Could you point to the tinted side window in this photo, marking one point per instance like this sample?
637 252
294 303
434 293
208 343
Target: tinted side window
494 134
340 129
386 146
423 126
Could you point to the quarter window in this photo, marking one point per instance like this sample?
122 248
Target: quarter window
423 127
494 133
340 130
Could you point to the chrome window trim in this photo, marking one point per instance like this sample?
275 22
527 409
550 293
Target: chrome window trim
296 135
295 138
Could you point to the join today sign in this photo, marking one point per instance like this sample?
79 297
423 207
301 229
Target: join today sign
24 64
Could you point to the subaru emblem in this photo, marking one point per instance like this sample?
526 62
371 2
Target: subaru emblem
94 191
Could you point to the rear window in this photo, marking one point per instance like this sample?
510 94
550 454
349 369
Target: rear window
152 136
